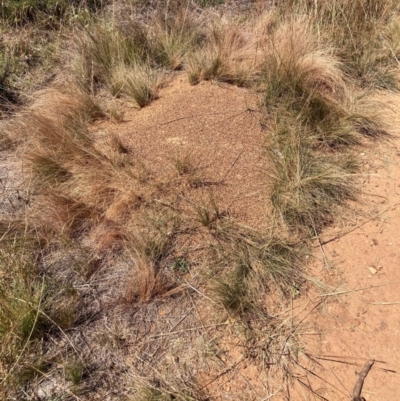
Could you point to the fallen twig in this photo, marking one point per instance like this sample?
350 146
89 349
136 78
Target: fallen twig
347 291
360 381
230 168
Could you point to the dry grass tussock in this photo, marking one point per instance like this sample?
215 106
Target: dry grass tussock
315 117
66 162
371 53
32 305
129 59
232 52
296 60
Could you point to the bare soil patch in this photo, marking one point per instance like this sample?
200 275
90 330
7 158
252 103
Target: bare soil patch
217 128
362 250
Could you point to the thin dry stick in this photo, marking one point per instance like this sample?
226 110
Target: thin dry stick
330 359
322 249
195 289
293 329
346 292
230 168
319 377
338 380
189 329
273 394
311 390
360 381
223 372
200 115
360 225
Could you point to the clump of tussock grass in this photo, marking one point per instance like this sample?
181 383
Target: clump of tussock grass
129 59
104 48
301 74
307 184
149 246
140 83
176 32
10 66
314 121
47 13
74 371
183 163
209 213
119 62
232 53
65 162
258 263
362 33
31 307
21 297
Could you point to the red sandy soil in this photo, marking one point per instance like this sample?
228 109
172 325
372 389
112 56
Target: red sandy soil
365 258
218 127
359 319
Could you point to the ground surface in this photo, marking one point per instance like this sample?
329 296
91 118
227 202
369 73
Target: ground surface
364 252
360 257
217 126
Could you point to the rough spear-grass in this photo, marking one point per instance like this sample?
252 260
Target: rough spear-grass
307 184
31 306
230 54
140 82
258 263
363 34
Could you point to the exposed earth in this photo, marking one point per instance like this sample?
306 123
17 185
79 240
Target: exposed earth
358 257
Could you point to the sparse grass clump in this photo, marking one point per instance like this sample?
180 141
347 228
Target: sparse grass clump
259 263
118 61
21 298
175 33
48 13
140 83
149 246
209 3
10 67
74 371
32 306
129 59
231 53
363 34
307 184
